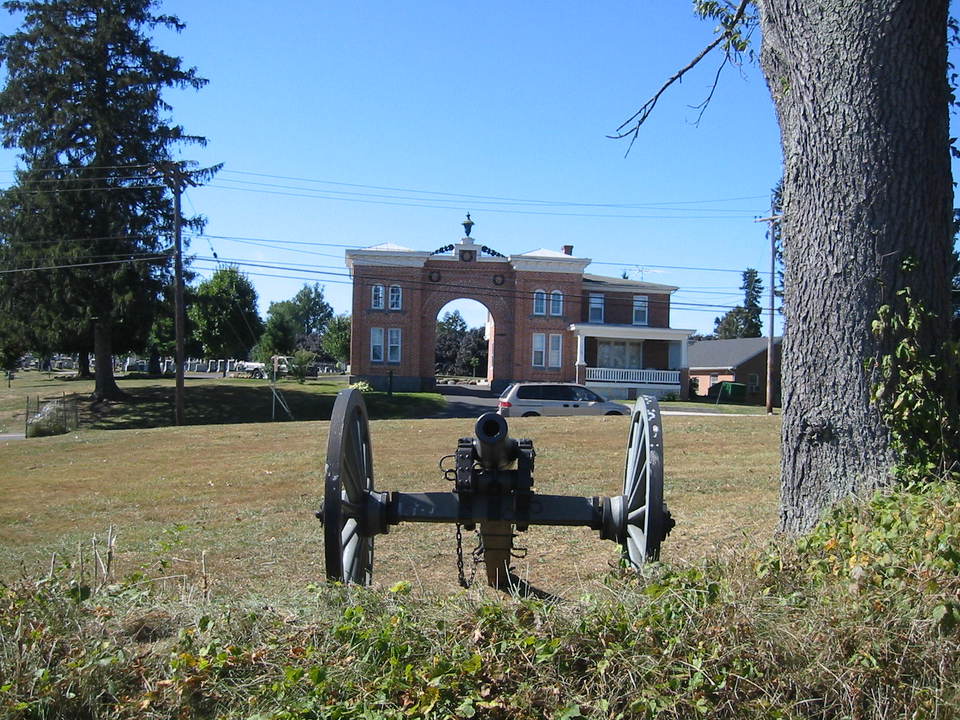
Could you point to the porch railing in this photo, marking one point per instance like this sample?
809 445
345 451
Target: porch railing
628 375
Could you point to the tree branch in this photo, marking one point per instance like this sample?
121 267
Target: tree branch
640 116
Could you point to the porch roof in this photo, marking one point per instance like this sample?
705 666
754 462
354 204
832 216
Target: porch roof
629 332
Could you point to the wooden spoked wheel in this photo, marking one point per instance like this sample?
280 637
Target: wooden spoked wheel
349 481
647 519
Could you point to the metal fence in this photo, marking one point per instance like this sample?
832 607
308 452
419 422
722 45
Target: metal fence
51 415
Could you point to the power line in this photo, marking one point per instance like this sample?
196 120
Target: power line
87 264
434 205
490 197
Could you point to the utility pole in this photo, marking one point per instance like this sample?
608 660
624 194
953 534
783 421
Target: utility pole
773 255
177 179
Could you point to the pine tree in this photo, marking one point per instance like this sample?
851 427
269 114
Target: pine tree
743 321
82 101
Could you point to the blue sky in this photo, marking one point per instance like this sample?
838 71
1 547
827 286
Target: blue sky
347 124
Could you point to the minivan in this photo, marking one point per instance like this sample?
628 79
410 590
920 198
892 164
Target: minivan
527 399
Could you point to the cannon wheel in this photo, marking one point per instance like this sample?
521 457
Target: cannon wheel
349 480
643 483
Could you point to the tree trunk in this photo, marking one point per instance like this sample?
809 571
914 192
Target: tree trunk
861 97
105 386
83 365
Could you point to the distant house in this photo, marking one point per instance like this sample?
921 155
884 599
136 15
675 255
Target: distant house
743 360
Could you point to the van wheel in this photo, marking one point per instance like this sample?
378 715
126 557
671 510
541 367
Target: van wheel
531 414
614 412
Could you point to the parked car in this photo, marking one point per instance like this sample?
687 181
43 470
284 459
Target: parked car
530 398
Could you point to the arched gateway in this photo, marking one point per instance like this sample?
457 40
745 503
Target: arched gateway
548 320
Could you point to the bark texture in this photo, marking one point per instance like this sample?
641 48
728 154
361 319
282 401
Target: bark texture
862 100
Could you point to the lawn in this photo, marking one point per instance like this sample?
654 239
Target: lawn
242 496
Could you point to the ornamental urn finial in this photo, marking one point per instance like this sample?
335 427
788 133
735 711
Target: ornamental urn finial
467 225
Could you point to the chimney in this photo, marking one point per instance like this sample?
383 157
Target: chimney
568 249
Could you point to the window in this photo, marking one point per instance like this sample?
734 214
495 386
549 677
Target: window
753 382
714 379
376 297
539 302
556 347
539 348
396 297
376 344
586 395
556 303
640 313
393 345
596 308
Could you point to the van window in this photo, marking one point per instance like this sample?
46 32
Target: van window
585 395
506 392
562 393
530 392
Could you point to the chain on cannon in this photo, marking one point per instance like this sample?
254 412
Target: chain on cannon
493 489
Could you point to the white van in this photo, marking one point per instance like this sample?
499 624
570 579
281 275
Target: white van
531 399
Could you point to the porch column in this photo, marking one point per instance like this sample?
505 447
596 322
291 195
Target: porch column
581 359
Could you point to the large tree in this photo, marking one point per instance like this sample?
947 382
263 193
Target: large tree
280 331
82 100
224 314
861 94
335 342
311 311
451 329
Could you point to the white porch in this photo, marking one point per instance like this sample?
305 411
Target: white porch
620 368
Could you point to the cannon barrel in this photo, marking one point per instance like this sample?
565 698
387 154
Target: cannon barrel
493 447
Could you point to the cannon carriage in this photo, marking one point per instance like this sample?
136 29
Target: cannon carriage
493 489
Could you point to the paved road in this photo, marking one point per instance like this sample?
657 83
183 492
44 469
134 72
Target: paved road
466 401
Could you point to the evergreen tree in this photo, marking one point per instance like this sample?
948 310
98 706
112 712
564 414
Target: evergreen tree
743 321
82 101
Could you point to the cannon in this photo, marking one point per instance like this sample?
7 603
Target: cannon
492 476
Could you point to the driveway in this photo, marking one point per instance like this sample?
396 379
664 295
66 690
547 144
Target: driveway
467 401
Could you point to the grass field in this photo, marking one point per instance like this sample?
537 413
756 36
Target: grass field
243 496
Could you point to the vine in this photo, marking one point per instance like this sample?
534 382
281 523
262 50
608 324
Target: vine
909 391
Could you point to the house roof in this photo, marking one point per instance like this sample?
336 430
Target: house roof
726 354
611 284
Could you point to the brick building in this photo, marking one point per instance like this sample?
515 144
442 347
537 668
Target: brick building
547 319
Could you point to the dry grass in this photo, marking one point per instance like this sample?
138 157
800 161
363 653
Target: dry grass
245 495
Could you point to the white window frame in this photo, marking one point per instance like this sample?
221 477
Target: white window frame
596 303
641 304
539 348
394 344
539 302
396 297
376 344
556 303
555 351
376 297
